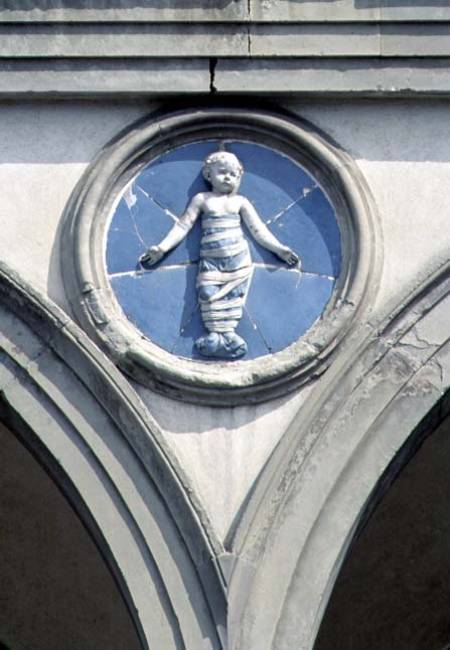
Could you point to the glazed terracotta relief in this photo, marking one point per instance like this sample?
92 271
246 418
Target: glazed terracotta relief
223 250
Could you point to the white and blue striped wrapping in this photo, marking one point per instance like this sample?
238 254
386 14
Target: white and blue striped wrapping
225 266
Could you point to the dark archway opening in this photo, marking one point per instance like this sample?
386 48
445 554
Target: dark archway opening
55 589
393 590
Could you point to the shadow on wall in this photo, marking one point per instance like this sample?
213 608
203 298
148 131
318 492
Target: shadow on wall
367 4
28 5
386 4
179 420
392 130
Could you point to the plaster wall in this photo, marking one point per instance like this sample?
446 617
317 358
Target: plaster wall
45 149
401 148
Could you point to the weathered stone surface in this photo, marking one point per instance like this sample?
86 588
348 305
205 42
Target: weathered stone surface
122 11
410 10
349 39
285 10
347 10
176 40
338 76
112 40
302 39
426 40
222 11
113 78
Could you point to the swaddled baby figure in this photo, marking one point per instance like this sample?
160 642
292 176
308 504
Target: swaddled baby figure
225 264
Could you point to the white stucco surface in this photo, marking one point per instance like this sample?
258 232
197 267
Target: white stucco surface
44 151
403 150
223 449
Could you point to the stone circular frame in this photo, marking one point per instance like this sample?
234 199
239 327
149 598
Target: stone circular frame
217 382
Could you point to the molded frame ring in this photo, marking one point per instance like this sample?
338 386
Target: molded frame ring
219 383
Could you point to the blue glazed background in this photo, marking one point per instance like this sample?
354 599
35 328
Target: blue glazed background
282 303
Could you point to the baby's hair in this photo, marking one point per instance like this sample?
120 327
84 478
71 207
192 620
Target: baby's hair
220 157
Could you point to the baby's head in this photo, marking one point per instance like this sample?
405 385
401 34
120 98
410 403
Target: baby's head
223 170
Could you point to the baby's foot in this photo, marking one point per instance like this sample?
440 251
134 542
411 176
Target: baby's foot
234 345
223 345
208 345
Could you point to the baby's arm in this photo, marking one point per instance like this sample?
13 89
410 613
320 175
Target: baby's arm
177 233
263 235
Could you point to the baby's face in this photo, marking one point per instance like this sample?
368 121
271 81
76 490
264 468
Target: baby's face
224 177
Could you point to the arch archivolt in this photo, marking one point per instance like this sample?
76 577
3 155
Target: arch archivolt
72 408
340 452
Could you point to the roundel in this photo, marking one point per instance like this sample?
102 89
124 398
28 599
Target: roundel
220 255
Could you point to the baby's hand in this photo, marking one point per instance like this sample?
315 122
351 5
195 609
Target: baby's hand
289 256
152 256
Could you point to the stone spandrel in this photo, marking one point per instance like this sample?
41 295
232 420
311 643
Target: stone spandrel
223 450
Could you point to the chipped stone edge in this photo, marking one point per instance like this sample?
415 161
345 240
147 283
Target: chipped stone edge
218 383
